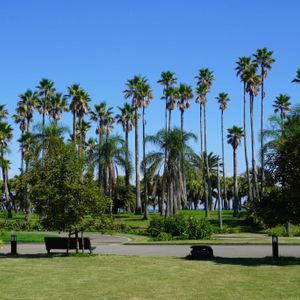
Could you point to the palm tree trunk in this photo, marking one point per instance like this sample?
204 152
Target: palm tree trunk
182 119
206 160
169 125
166 114
201 134
250 196
144 168
138 208
74 128
254 185
262 135
43 131
236 195
22 176
223 160
219 200
5 189
126 158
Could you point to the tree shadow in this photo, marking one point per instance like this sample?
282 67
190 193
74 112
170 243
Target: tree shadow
252 262
44 255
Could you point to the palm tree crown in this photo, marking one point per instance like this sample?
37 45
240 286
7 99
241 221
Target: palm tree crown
223 100
297 78
282 105
234 136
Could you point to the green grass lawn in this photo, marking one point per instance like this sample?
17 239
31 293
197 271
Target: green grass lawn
121 277
24 237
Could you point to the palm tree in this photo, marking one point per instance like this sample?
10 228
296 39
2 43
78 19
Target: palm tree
242 64
82 130
179 153
263 58
223 102
234 139
297 78
185 94
99 116
167 79
147 96
5 138
74 94
133 91
58 105
201 92
205 79
171 94
126 119
282 105
252 87
45 91
112 155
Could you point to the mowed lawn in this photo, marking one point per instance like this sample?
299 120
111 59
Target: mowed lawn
123 277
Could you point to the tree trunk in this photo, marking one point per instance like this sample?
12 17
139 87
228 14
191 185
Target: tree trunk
144 167
6 191
254 185
250 196
223 160
74 128
236 196
219 200
43 131
169 125
76 241
82 242
206 160
262 135
201 134
181 119
126 158
138 208
22 177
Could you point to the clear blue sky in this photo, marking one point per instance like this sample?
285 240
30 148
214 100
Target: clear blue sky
101 44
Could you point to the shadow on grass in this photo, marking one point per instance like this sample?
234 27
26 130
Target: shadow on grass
45 255
252 262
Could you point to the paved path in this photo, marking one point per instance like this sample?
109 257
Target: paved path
106 244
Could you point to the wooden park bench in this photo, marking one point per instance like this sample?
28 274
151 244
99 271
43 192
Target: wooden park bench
62 243
201 252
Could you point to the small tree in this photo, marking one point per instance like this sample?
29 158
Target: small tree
64 199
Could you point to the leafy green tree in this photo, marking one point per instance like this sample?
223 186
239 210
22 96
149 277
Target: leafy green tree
63 200
234 137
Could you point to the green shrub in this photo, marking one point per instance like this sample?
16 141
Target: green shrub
281 231
1 243
163 236
20 225
180 227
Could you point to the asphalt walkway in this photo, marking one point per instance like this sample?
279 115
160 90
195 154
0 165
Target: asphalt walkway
107 244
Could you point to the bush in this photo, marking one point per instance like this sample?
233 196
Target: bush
1 243
163 236
281 231
180 227
20 225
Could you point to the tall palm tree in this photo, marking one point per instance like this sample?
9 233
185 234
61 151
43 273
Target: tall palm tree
201 91
185 94
252 87
147 96
297 78
58 105
99 115
205 78
282 105
126 119
234 139
242 64
171 94
45 91
74 95
263 58
167 79
179 153
133 91
5 138
223 100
